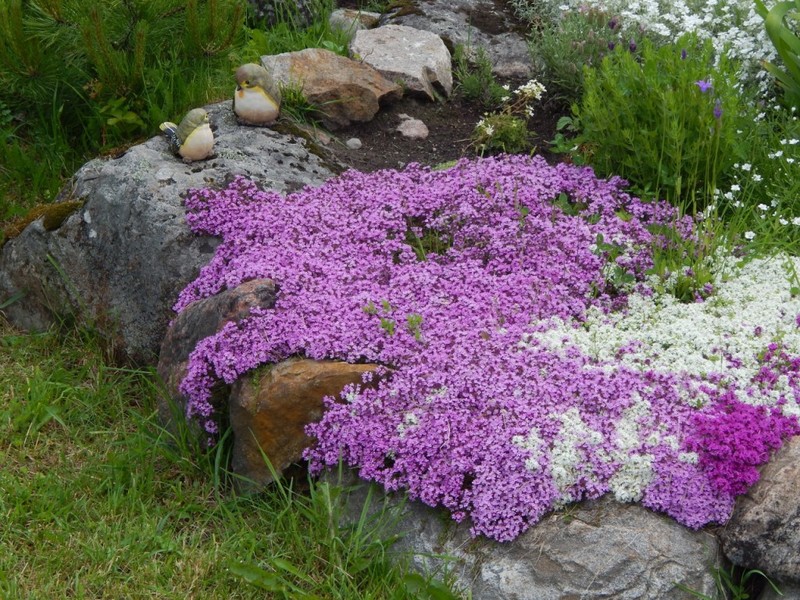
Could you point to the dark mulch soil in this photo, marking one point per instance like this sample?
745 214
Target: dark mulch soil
450 124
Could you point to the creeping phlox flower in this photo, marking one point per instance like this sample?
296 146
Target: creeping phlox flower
512 381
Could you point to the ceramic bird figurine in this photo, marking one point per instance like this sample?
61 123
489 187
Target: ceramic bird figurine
257 99
193 138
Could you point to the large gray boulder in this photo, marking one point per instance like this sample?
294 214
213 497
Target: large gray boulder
474 24
120 261
764 531
592 550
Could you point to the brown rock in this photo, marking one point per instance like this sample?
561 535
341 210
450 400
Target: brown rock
344 91
197 321
270 408
764 531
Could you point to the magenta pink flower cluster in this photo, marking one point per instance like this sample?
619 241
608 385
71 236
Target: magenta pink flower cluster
444 277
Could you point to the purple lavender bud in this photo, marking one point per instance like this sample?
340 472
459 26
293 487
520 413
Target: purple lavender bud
612 24
683 54
611 45
632 46
717 109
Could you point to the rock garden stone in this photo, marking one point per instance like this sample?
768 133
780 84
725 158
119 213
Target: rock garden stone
350 20
596 549
270 408
344 91
474 24
764 531
200 320
412 128
418 59
120 260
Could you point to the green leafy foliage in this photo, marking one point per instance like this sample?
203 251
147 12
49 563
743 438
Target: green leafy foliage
781 23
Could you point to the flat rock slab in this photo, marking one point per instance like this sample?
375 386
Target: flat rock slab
764 531
592 550
120 261
343 91
416 58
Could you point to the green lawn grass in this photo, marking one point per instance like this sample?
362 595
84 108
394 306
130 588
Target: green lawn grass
96 501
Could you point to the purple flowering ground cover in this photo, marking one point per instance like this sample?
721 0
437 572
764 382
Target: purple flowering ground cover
445 278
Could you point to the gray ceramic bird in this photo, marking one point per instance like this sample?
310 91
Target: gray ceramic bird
193 138
257 99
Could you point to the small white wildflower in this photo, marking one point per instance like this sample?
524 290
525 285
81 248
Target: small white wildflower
506 87
749 235
746 167
735 187
796 221
783 221
756 177
763 207
776 154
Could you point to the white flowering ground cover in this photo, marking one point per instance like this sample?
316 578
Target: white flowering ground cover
520 376
733 26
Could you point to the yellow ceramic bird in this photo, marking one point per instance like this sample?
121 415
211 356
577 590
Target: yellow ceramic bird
257 99
193 138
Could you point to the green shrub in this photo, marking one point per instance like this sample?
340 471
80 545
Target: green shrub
474 78
666 121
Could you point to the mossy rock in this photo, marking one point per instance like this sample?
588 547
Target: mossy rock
401 8
52 215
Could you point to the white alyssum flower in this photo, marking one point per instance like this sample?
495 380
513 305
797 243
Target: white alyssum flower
566 459
749 235
694 339
533 444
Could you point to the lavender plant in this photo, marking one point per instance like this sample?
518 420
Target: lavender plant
665 121
525 368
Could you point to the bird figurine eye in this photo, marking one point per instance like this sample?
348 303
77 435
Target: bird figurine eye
247 82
